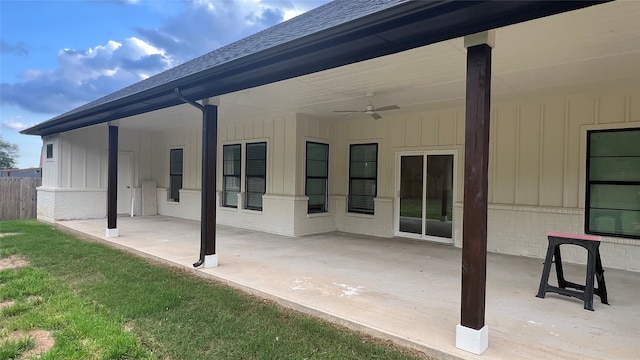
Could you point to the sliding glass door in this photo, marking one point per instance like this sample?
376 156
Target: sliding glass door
424 202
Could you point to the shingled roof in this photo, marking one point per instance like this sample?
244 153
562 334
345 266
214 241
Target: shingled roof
317 20
335 34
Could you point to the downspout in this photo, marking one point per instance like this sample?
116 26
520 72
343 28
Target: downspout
202 220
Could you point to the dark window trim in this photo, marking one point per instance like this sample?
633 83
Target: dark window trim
172 174
247 177
306 177
224 177
49 151
375 178
588 183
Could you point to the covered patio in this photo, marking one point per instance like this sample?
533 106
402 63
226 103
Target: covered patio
403 290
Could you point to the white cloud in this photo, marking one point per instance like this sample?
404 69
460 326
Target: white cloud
205 25
87 74
291 13
84 75
14 124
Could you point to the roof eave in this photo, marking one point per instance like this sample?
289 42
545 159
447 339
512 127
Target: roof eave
403 27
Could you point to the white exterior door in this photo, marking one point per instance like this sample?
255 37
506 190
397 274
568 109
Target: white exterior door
125 181
424 195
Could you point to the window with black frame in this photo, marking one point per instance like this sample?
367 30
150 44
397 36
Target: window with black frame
255 175
613 183
175 174
363 178
49 151
317 173
231 162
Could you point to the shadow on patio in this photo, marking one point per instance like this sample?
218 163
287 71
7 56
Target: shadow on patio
404 290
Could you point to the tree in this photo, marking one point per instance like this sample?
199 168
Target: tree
9 152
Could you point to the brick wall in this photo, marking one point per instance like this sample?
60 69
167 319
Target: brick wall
46 201
66 204
522 230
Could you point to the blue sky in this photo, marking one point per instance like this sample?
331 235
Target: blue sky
58 55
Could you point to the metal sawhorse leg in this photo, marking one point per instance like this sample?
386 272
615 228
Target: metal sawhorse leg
594 269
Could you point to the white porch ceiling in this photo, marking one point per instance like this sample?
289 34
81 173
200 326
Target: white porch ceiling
580 50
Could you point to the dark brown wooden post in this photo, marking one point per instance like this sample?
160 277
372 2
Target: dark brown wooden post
209 157
472 333
112 182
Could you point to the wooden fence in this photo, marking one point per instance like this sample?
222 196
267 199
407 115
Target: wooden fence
18 198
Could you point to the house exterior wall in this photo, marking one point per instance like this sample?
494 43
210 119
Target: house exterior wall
189 139
279 201
74 181
284 204
428 131
537 168
536 184
50 166
64 204
310 128
538 171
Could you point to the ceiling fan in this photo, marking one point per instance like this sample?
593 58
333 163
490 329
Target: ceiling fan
370 109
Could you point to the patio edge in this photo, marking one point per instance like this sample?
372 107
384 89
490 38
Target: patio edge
287 303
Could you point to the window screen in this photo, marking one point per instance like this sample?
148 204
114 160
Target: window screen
255 174
363 172
175 174
230 175
317 171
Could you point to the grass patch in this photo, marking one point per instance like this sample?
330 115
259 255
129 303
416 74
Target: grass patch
7 251
82 329
412 207
11 349
171 313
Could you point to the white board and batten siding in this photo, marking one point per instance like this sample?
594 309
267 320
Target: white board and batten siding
537 167
536 183
284 204
538 172
74 180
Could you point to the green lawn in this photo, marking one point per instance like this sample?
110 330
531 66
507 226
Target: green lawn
412 207
102 303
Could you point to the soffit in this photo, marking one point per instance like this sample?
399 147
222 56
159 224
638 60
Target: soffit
579 50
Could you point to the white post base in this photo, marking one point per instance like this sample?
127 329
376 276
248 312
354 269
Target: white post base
472 340
112 233
211 261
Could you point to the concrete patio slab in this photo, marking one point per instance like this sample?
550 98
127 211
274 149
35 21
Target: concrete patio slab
403 290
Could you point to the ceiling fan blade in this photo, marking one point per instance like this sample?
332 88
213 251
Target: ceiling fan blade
348 111
390 107
375 116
